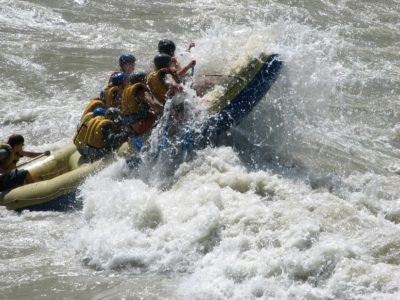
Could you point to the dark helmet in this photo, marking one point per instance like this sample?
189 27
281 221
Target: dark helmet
126 59
99 111
137 76
162 60
102 95
167 47
114 114
118 78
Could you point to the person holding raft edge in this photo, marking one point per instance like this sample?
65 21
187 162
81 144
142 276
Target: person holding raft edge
166 46
201 86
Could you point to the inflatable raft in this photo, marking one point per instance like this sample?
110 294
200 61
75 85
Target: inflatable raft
58 176
227 104
242 93
56 179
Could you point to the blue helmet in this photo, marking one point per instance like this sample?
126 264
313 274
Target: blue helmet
99 111
126 59
167 47
118 78
162 60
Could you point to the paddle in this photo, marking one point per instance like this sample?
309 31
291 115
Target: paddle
192 77
192 72
33 159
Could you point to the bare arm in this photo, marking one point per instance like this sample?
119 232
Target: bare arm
153 103
173 85
191 45
33 154
184 70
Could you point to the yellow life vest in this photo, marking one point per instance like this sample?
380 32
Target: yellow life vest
112 96
94 136
130 104
157 85
92 105
11 162
79 138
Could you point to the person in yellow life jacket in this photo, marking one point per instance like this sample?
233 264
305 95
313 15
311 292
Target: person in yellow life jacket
126 63
201 85
94 103
113 91
104 134
163 81
137 77
79 138
137 105
141 77
10 153
168 47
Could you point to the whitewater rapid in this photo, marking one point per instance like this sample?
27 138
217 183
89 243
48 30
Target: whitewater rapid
301 201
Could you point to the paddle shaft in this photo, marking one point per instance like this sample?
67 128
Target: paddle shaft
33 159
192 76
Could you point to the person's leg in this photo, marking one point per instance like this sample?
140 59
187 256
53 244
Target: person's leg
95 154
28 178
16 178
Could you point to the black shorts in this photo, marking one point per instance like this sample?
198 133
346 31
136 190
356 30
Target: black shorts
92 153
14 179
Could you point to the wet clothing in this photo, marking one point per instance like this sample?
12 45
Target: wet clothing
145 124
8 159
102 136
112 96
130 103
13 179
95 136
92 105
158 86
79 138
8 162
133 109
